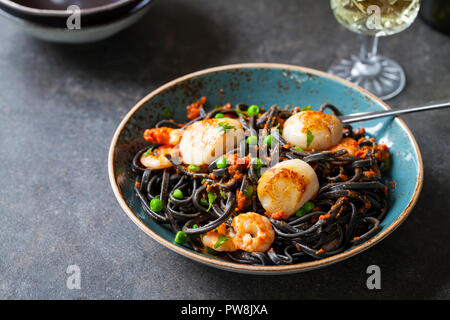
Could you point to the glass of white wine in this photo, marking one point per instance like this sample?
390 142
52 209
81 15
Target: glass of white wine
373 19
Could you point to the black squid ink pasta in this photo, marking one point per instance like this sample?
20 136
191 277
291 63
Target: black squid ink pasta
202 203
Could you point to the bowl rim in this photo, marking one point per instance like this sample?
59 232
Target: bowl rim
63 13
232 266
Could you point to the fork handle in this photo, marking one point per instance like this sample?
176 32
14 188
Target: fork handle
384 113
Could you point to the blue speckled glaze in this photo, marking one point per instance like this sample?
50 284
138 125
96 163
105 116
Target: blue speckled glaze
265 87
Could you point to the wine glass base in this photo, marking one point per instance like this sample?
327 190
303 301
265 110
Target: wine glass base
383 77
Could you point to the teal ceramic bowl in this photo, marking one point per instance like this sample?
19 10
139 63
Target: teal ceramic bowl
264 84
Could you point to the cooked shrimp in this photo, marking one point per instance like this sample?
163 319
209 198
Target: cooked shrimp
312 130
164 135
206 140
348 144
219 239
286 187
254 232
157 160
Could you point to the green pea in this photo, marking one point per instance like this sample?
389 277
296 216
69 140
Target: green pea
268 140
253 110
221 163
181 237
252 140
178 194
307 207
219 116
257 163
156 205
193 167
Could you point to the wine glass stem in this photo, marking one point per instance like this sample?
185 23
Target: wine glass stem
368 50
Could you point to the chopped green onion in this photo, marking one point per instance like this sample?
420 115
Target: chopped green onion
149 150
221 163
156 205
257 163
219 116
225 126
193 167
307 207
211 198
307 108
220 241
268 140
249 192
222 194
195 226
253 110
252 140
181 237
178 194
309 137
298 148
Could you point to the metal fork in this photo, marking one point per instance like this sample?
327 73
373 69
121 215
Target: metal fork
385 113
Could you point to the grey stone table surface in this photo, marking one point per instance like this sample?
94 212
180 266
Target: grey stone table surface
59 108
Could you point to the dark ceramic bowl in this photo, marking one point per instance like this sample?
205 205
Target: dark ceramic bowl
87 33
264 85
54 13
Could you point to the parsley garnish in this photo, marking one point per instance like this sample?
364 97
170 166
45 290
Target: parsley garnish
239 112
149 150
211 198
210 250
221 241
203 202
120 170
167 113
307 108
249 192
225 126
387 163
309 137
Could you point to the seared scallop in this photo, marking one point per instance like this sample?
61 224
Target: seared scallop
286 187
206 140
312 130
